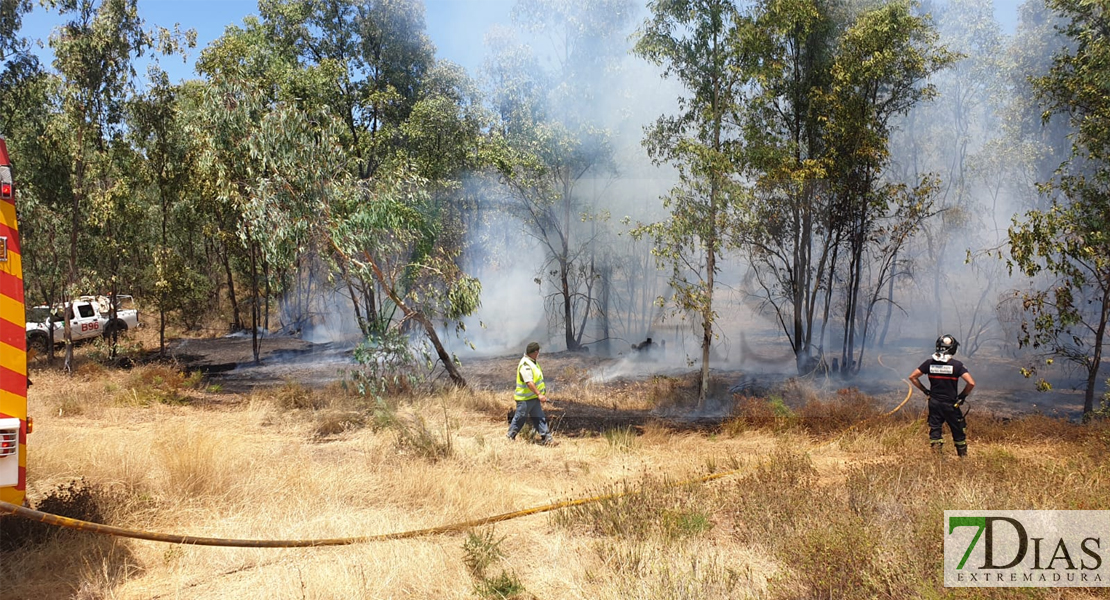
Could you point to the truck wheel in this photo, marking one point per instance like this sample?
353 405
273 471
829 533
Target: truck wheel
114 328
38 347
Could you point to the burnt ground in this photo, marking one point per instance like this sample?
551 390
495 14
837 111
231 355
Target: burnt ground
228 362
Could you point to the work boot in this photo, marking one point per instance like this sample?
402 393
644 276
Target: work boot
937 446
961 450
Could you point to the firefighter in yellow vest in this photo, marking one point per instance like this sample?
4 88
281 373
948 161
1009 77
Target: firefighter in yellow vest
530 395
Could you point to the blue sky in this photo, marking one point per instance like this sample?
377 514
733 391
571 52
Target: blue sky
457 27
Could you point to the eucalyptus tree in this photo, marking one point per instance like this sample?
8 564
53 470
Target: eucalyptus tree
375 53
691 41
1067 244
882 63
785 50
388 229
36 135
1031 145
94 53
156 126
555 142
11 20
363 61
249 72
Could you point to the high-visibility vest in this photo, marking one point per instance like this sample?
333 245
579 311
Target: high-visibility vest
522 391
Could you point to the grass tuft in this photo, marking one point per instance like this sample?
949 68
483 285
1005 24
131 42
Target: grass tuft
621 439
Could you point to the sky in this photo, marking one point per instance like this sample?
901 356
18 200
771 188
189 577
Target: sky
456 27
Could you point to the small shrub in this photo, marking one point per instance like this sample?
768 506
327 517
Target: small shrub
775 497
833 556
848 408
154 384
504 586
415 436
76 500
293 395
389 366
664 391
70 405
481 550
759 413
195 463
685 523
634 512
335 422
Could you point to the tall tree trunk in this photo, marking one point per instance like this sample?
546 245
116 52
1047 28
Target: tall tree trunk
941 246
707 324
75 224
1096 360
889 304
564 283
266 295
256 345
363 326
603 318
236 319
164 249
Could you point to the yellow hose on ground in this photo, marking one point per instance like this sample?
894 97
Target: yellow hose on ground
60 521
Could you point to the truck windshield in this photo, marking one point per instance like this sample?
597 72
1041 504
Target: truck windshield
38 314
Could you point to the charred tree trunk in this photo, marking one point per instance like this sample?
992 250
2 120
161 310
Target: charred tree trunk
236 319
564 285
256 343
890 303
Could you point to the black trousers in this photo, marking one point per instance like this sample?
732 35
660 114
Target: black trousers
941 412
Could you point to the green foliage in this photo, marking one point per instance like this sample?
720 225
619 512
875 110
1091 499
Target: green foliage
504 586
1066 246
179 287
481 549
1103 411
689 40
389 364
158 384
807 100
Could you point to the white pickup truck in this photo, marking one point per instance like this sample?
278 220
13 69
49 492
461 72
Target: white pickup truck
90 317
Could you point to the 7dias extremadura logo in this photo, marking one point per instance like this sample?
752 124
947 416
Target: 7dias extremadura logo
1026 548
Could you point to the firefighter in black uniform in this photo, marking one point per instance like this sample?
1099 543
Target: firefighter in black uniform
944 396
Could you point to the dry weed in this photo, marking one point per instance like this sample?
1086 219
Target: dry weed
807 518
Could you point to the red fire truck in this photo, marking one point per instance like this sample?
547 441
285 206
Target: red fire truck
14 424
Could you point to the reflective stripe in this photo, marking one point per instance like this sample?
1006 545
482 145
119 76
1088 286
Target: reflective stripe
522 392
936 441
963 443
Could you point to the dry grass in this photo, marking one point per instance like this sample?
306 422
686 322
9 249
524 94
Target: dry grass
831 502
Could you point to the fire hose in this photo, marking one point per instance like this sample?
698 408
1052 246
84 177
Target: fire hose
87 526
98 528
909 394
